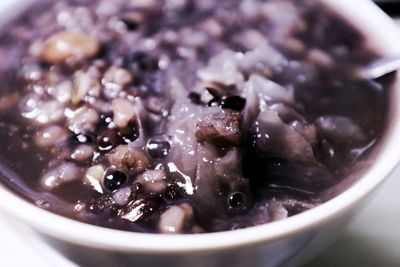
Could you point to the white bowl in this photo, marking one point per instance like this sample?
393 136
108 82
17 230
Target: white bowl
289 242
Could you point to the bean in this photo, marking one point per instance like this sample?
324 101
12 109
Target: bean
114 179
61 174
108 140
158 147
174 219
121 196
131 159
118 76
82 120
61 46
82 153
50 136
124 111
153 180
94 175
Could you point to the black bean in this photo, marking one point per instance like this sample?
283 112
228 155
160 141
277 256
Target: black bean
132 20
236 103
130 24
174 191
114 179
214 92
236 200
137 189
144 61
158 147
195 98
129 133
108 140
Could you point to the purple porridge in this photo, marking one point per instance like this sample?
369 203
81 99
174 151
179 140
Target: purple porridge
183 116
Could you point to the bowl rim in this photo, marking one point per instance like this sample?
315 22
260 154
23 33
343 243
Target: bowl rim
84 234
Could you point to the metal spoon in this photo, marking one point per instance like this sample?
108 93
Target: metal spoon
379 68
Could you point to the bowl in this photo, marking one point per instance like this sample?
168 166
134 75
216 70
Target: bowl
289 242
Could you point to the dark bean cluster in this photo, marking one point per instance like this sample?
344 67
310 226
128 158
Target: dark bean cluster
232 102
110 138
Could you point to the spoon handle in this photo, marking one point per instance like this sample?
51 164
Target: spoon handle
379 68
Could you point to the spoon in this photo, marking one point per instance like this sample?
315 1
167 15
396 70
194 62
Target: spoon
379 68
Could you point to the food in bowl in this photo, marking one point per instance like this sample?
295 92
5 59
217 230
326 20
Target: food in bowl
184 116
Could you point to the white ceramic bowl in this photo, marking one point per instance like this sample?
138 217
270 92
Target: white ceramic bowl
288 242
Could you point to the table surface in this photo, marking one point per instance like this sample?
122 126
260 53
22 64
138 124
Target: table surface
373 239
